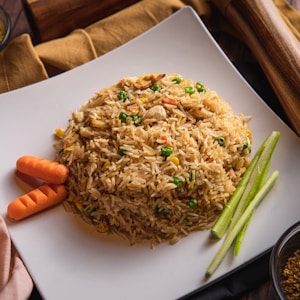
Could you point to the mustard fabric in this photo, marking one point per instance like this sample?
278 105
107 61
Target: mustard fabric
22 64
290 15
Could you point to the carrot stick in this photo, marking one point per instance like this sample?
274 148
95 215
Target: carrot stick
36 200
46 170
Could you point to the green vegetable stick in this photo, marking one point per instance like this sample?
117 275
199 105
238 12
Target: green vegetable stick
222 223
241 234
240 237
256 176
264 175
240 223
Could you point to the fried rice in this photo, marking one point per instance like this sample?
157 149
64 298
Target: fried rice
153 157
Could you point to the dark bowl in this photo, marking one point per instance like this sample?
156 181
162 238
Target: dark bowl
5 27
284 248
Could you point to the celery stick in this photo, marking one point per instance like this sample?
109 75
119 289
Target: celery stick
240 223
222 223
241 234
264 175
240 237
256 176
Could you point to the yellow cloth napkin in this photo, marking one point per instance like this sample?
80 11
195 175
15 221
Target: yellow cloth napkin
22 64
103 36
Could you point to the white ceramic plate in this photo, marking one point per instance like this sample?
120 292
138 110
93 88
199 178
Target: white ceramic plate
66 258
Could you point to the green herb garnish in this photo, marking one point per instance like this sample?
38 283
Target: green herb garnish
177 80
189 90
122 151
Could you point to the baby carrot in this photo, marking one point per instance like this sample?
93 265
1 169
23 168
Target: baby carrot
46 170
36 200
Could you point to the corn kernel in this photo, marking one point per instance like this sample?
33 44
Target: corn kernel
249 133
79 206
71 197
105 165
175 160
191 184
102 227
143 100
59 132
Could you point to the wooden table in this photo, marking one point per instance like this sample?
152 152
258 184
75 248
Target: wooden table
20 25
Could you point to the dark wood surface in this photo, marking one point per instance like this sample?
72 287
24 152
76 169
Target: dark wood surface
274 45
53 18
20 25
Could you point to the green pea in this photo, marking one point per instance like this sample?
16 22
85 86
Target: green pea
136 120
193 203
122 95
177 181
166 151
189 90
200 87
123 117
155 87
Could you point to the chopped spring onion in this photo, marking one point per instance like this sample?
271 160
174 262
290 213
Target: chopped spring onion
200 87
192 175
245 146
177 80
221 141
121 151
189 90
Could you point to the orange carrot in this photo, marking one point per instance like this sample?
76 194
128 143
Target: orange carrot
166 139
36 200
169 101
46 170
132 107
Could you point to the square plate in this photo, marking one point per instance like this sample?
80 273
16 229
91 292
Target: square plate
68 259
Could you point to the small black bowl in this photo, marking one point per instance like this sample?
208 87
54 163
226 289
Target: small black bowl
284 248
5 26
